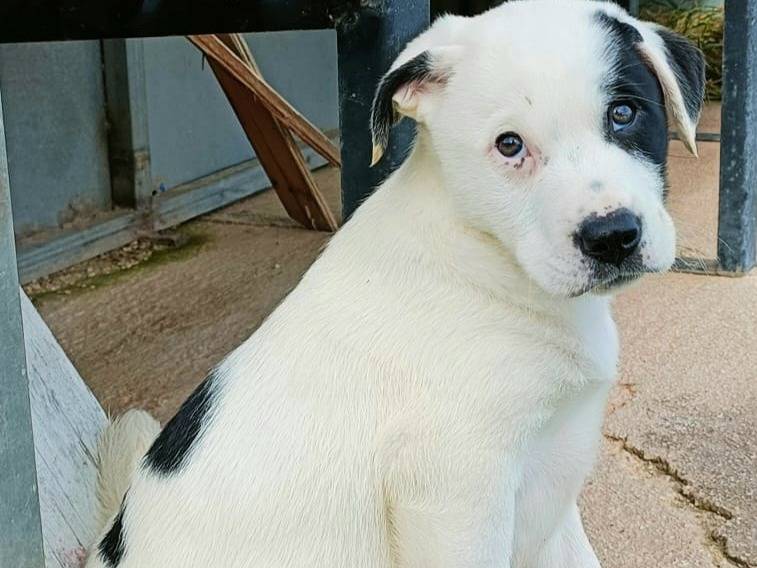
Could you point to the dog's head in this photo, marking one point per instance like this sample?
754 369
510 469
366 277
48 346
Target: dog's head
549 119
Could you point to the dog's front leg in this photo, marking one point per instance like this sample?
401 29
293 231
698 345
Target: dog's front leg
450 504
463 526
569 547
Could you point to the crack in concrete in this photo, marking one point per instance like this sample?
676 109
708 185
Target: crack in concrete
684 489
629 391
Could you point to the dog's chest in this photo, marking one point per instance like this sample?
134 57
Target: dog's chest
554 468
598 338
563 449
562 452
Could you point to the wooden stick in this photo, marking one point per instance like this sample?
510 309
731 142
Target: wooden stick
274 145
217 51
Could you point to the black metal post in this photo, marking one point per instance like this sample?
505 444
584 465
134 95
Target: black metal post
737 222
368 41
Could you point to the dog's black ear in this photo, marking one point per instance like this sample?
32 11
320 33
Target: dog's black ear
688 64
415 79
679 66
409 76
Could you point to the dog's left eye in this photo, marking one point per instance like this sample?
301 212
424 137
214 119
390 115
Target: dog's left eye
510 145
622 115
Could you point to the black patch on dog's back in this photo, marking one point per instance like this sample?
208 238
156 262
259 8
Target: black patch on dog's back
630 79
112 545
170 450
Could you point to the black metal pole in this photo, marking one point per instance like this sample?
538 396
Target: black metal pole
368 41
737 221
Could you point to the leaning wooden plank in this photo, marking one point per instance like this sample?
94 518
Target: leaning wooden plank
216 51
67 420
289 177
277 152
239 46
292 160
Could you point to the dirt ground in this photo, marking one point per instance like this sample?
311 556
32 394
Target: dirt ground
676 482
144 336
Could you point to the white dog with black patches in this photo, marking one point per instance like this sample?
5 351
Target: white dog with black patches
431 394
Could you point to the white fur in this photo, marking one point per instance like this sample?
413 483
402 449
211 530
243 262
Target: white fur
119 450
429 395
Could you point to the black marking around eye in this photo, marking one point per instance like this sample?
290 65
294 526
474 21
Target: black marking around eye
171 449
630 79
619 29
112 545
382 112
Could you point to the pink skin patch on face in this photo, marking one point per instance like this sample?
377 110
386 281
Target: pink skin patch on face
526 164
74 558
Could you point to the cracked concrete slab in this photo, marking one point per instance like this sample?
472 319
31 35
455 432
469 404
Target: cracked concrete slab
690 356
635 517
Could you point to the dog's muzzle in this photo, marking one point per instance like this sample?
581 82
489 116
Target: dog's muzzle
610 245
610 239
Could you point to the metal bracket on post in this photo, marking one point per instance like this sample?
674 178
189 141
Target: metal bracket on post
737 222
368 40
20 526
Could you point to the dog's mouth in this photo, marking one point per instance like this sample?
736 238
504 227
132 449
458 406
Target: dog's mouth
606 281
617 282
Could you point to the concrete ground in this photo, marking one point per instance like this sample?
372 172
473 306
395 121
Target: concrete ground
676 482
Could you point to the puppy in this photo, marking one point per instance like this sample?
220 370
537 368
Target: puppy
431 394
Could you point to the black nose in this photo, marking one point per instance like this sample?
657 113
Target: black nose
611 238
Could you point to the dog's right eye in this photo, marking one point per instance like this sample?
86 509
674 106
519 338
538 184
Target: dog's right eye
622 115
510 145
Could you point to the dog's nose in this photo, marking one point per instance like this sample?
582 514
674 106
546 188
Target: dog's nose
611 238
